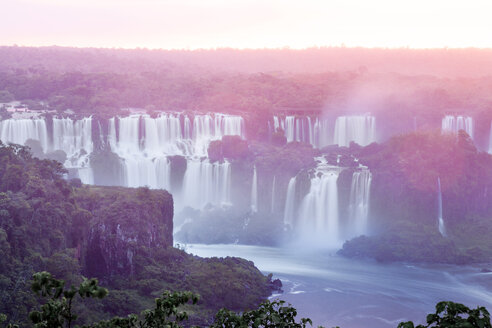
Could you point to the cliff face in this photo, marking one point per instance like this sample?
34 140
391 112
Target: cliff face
124 222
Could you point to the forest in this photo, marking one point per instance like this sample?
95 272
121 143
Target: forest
121 236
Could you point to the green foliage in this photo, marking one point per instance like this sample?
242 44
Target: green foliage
270 314
120 235
169 311
230 147
57 311
454 315
404 210
166 313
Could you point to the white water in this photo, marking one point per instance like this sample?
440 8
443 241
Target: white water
289 210
143 144
19 131
360 129
75 139
453 124
335 291
440 220
254 192
304 129
205 183
359 202
317 132
318 214
72 137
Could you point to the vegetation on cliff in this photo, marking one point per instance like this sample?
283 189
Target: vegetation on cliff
404 200
122 236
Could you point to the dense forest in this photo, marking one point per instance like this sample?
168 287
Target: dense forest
404 200
98 81
121 236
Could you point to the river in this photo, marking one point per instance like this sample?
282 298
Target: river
335 291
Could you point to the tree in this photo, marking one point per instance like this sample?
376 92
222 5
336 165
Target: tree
57 311
276 314
454 315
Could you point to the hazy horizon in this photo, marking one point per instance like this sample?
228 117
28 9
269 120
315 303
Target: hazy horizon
274 24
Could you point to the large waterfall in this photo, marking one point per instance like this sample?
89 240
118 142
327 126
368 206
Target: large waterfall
254 192
314 131
143 144
21 130
74 138
290 206
318 219
453 124
272 205
205 183
359 202
440 220
360 129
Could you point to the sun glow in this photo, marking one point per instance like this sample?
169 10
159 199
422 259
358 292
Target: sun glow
247 24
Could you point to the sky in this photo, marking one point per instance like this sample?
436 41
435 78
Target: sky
192 24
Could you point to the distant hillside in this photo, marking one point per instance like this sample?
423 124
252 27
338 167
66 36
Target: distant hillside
437 62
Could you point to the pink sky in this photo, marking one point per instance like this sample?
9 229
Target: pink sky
246 24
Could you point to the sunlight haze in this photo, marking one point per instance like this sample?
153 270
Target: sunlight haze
191 24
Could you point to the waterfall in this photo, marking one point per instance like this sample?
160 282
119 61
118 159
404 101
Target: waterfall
254 192
321 135
18 131
318 220
206 183
304 129
272 207
144 143
440 220
318 214
74 138
359 202
289 210
360 129
453 124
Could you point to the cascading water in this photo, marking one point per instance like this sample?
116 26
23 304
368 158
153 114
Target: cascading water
318 214
18 131
290 206
75 139
143 144
440 220
359 202
360 129
453 124
304 129
254 192
206 183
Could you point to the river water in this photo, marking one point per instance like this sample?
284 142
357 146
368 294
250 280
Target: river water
335 291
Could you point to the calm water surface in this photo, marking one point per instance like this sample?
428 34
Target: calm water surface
335 291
